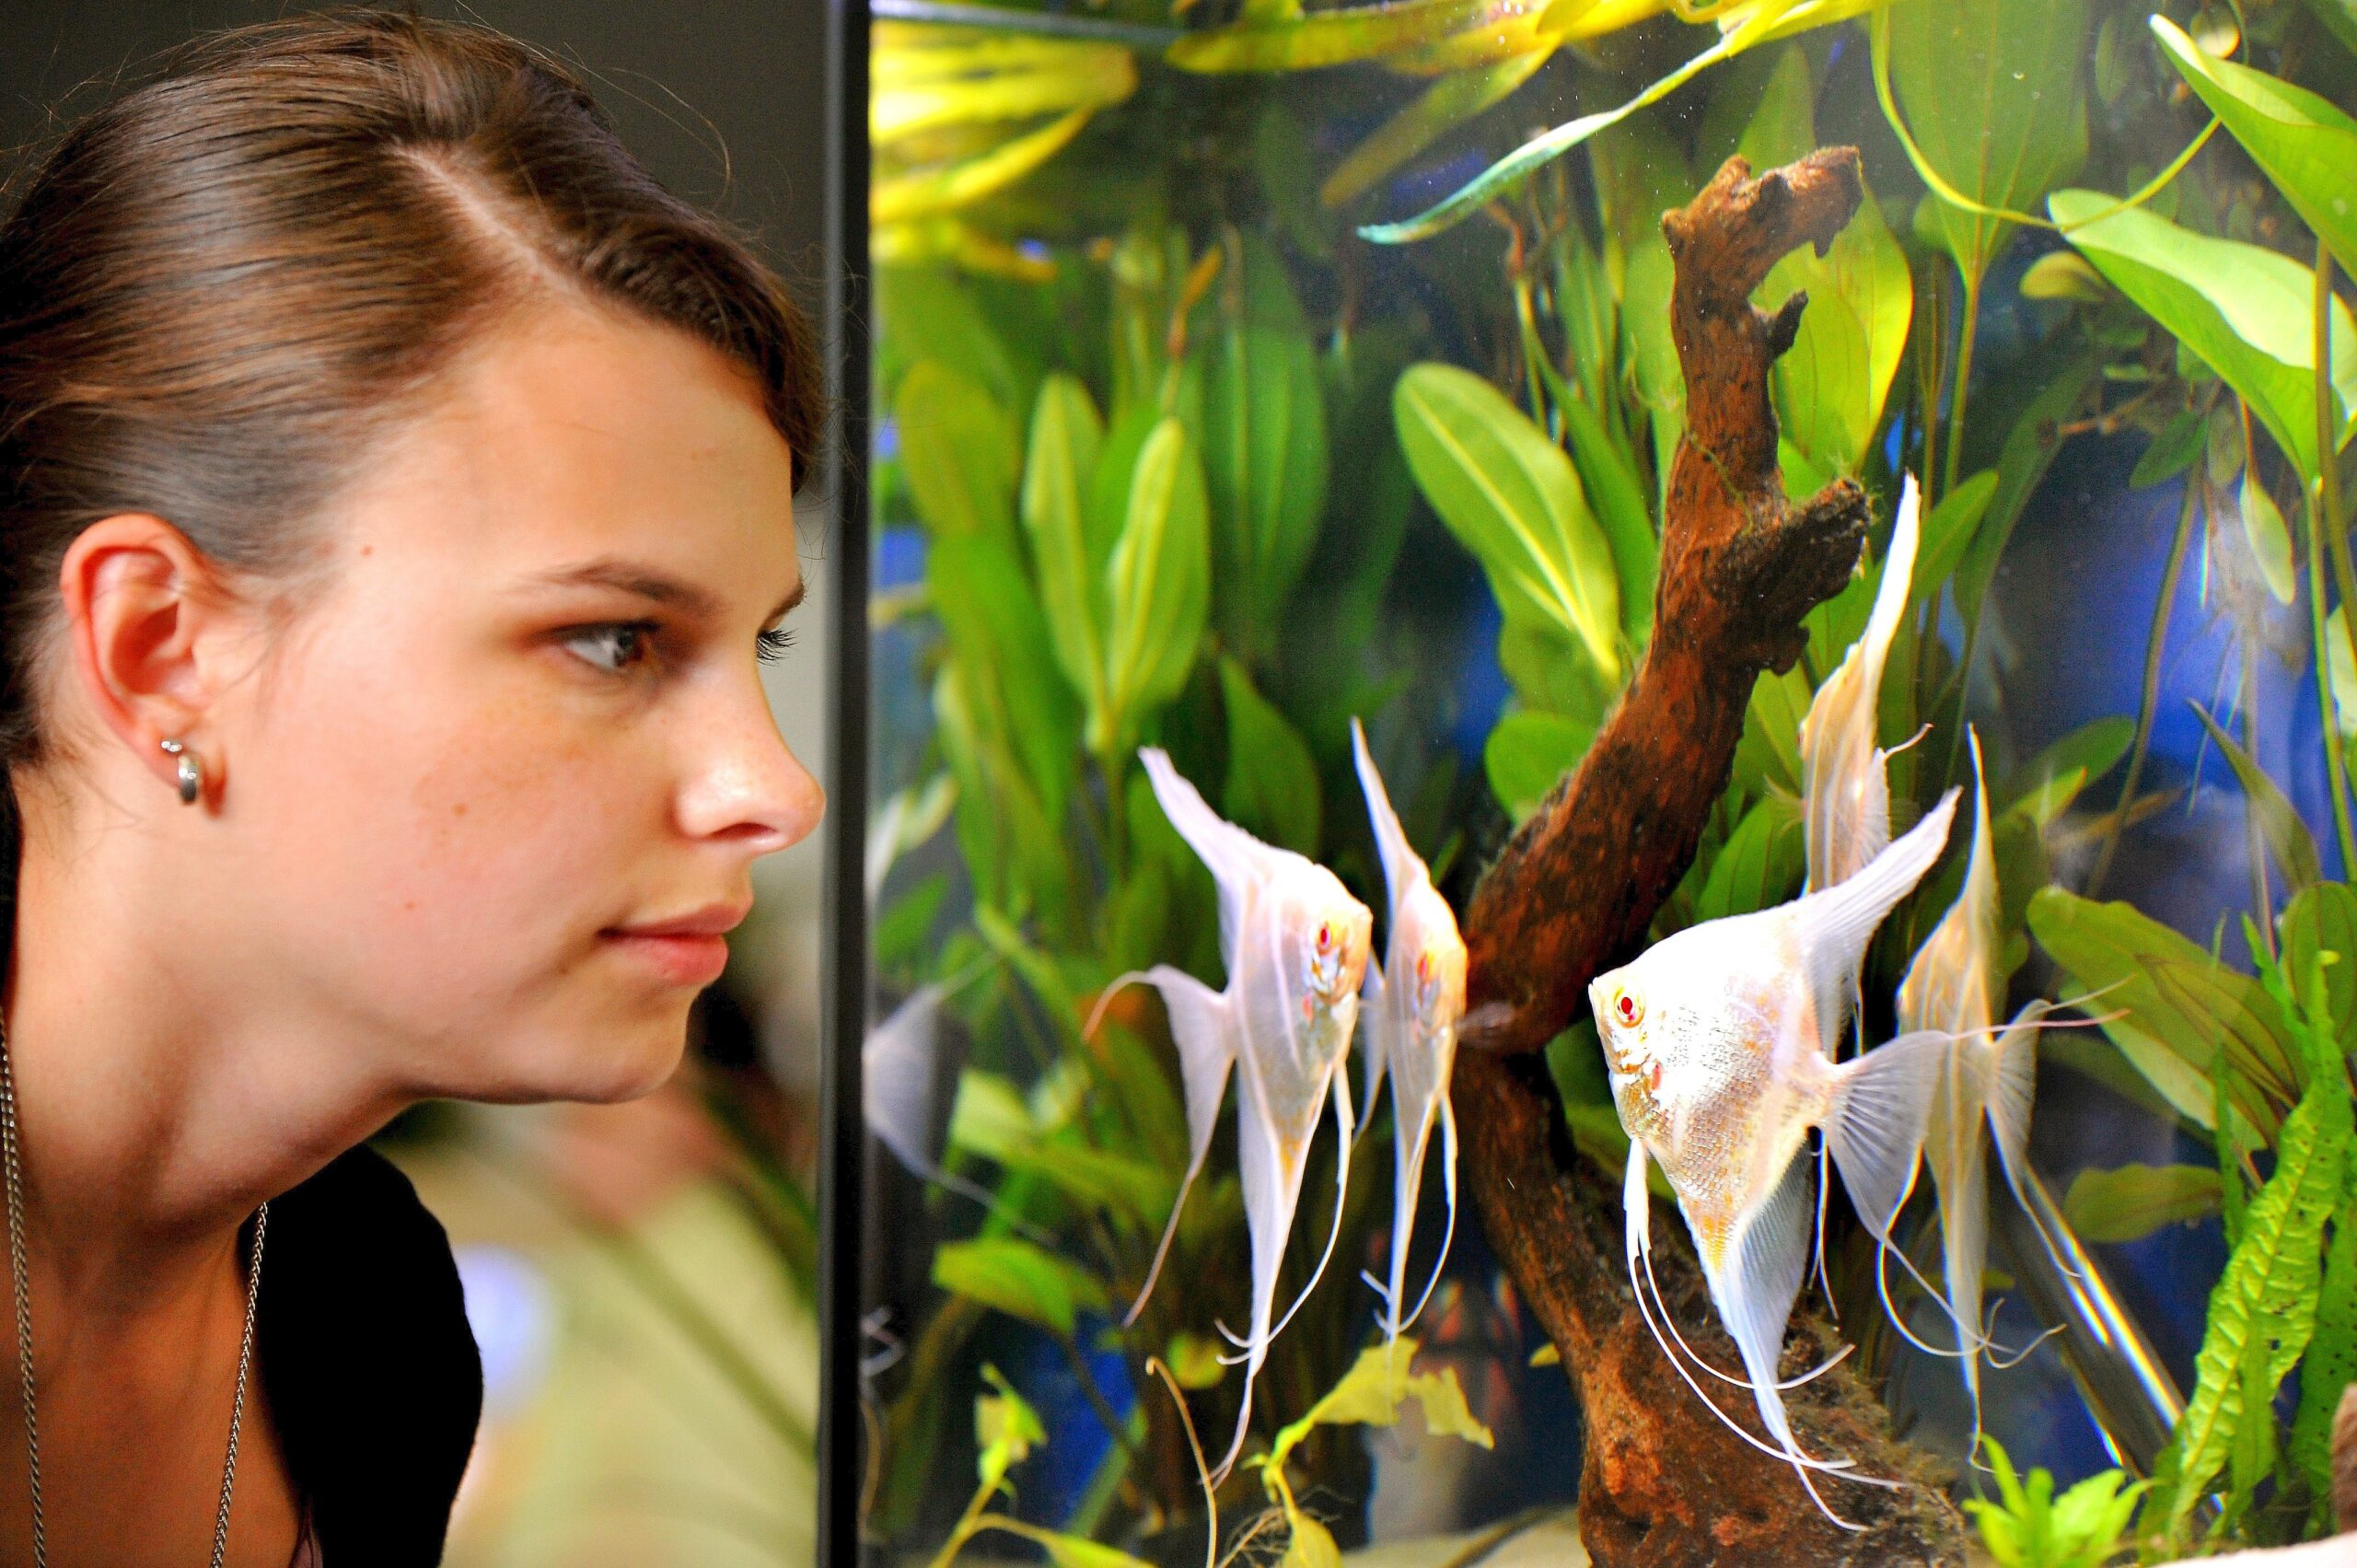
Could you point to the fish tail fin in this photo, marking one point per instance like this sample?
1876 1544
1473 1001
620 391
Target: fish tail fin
1835 925
1202 1026
1964 1241
2009 1107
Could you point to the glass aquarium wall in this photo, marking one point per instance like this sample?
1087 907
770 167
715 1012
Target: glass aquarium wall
1611 803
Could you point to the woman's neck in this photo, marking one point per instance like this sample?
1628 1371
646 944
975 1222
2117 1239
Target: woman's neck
164 1089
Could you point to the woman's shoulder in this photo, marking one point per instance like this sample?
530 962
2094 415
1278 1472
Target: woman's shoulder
372 1374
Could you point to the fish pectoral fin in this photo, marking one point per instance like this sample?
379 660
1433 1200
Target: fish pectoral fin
2016 1085
1637 1201
1881 1103
1448 1232
1202 1026
1271 1191
1342 1119
1834 925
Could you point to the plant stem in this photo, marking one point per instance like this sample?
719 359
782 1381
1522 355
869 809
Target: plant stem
1962 382
2153 648
2263 901
2335 770
1114 1425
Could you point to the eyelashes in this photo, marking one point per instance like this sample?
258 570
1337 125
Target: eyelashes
771 645
627 644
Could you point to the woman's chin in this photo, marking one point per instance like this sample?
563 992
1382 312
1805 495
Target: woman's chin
601 1069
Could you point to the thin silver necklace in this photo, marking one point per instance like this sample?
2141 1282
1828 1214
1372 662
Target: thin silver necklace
8 1156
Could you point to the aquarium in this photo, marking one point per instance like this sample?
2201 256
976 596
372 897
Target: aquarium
1609 809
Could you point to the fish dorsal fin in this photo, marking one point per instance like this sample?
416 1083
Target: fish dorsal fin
1952 981
1845 794
1832 927
1402 864
1202 1026
1238 861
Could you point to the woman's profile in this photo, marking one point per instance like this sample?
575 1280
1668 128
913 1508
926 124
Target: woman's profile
395 492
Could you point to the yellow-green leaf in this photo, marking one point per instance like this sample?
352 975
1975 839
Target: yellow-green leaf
957 447
1451 101
1333 37
1158 588
2303 142
2244 310
1065 435
2133 1201
1019 1278
1512 497
2271 540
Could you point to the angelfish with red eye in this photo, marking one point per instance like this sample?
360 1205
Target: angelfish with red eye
1412 1006
1719 1039
1294 944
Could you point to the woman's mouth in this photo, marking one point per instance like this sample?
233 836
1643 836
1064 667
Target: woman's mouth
683 960
690 951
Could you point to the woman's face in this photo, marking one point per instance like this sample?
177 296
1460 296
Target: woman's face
525 723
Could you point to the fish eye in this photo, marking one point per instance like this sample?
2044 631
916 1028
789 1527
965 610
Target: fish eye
1628 1008
1325 935
1425 967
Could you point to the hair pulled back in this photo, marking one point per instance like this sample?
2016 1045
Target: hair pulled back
218 289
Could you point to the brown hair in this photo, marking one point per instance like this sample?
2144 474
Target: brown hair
216 289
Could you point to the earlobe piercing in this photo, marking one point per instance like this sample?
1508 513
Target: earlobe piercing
191 771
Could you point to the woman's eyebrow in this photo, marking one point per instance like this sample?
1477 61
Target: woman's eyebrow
644 580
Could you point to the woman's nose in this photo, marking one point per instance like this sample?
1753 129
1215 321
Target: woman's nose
750 789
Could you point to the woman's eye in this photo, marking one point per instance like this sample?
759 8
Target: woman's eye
613 648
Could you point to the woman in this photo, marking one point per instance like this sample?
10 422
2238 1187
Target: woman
395 500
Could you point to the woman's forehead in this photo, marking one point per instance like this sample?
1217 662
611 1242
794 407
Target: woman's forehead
575 435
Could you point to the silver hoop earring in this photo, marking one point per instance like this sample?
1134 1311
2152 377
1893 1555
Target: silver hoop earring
191 771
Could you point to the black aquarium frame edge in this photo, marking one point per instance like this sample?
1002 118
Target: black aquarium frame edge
843 1148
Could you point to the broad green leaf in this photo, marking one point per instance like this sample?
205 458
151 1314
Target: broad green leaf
2288 839
958 449
1194 1361
1078 1551
2303 142
1648 349
1159 587
2163 998
1271 788
1264 449
2247 312
1528 753
990 1116
1768 753
2056 775
2271 540
1451 101
2264 1309
2172 451
1311 1545
1830 386
1333 37
2344 671
1990 92
1019 1278
1618 498
999 637
1761 863
1512 497
2064 275
928 313
2133 1201
2339 19
1783 118
1014 849
1948 531
1065 435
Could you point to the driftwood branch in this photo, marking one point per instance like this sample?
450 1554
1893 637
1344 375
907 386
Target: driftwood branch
1663 1482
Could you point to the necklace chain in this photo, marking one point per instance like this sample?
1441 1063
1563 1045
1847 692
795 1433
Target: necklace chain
10 1156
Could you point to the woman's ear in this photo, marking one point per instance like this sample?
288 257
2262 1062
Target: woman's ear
152 633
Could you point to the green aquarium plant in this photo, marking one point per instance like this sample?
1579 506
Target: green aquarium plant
1206 413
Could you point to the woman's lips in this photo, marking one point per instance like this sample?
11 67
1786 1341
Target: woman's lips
689 960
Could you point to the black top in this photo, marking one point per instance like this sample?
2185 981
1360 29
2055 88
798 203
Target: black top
371 1372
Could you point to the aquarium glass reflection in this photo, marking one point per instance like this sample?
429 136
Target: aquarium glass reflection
1612 750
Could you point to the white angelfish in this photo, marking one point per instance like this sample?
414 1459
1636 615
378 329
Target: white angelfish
897 1095
1719 1039
1845 794
1295 946
1411 1006
1953 986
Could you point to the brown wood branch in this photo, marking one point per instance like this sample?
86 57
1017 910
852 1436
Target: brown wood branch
1663 1482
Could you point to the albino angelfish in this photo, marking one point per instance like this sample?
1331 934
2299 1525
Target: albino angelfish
1294 943
1845 794
1954 986
1719 1039
1409 1009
